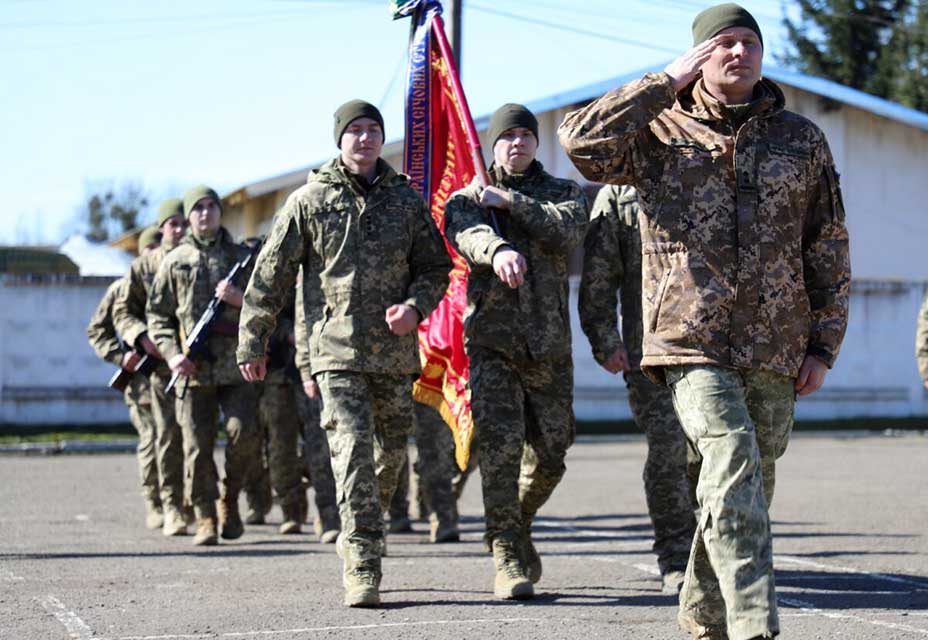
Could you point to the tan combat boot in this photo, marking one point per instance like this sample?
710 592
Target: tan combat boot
442 531
292 523
154 515
230 522
362 583
327 525
206 527
511 582
175 524
532 559
699 631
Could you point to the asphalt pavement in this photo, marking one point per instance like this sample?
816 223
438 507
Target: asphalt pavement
851 554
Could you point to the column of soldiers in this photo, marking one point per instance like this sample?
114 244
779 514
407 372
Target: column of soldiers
726 243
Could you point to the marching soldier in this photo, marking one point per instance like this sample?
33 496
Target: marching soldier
611 263
745 279
517 336
188 279
131 323
105 340
373 267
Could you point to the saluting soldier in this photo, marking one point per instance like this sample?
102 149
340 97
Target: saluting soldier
517 336
105 340
745 281
373 267
131 323
188 279
612 263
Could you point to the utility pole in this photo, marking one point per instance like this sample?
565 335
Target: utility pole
455 8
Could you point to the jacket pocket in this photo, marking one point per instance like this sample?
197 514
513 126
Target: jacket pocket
658 301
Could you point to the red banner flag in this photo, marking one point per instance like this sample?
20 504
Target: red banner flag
442 155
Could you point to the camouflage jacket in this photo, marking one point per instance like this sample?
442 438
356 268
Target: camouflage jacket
360 253
106 342
548 219
744 247
612 263
129 307
182 289
921 340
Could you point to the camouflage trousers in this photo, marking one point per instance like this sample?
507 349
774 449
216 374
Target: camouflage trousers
367 418
138 400
523 413
739 424
279 425
198 415
667 487
317 460
434 469
170 443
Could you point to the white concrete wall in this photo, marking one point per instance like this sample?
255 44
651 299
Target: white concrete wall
48 372
875 375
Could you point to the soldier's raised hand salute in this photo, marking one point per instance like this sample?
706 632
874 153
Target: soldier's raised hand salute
684 69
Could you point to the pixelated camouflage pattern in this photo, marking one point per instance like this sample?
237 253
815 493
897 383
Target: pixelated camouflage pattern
548 219
921 339
317 460
745 250
611 266
520 406
279 419
739 423
360 253
182 289
668 490
198 415
435 465
105 341
170 441
367 419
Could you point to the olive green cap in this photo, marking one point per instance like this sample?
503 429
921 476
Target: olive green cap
722 16
170 208
148 236
197 193
351 111
510 116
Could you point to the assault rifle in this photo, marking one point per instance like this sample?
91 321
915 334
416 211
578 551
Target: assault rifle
195 344
121 378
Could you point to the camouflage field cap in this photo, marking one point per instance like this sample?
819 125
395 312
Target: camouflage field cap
722 16
170 208
196 194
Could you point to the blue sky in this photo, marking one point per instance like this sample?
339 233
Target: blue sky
228 92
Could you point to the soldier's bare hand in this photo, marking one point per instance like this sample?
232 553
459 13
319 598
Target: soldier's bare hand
149 347
182 365
811 376
495 198
510 266
311 389
229 293
683 70
254 370
617 362
401 318
130 359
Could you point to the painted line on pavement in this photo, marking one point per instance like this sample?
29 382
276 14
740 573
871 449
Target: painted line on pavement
9 576
353 627
837 569
76 627
811 608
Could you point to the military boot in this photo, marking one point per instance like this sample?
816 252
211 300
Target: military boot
154 514
230 522
443 531
206 527
700 631
511 582
292 519
258 501
175 524
672 581
532 559
362 583
327 524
